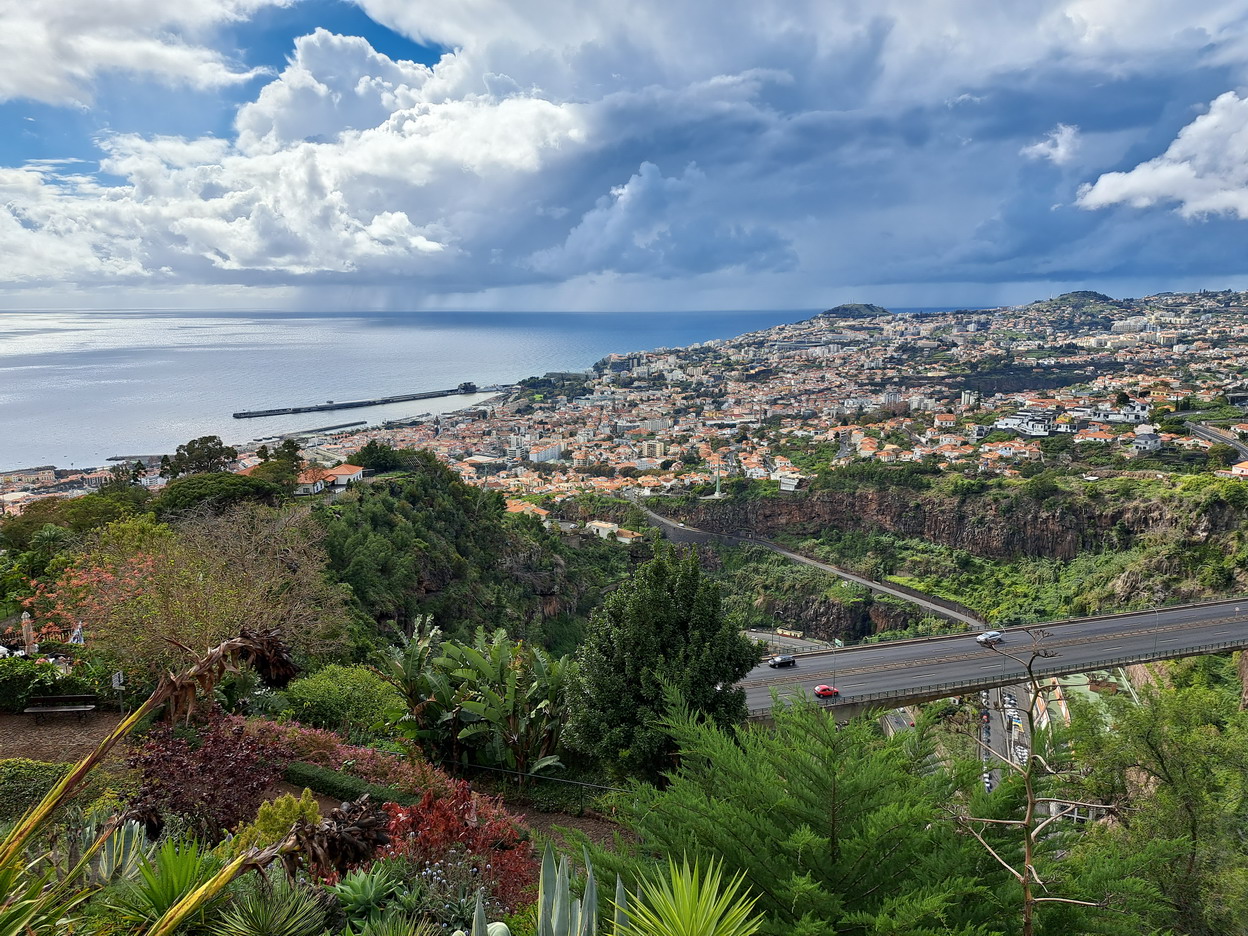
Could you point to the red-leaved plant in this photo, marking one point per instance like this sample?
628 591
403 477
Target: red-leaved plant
211 773
473 829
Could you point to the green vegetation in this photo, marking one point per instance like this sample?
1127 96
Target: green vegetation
496 702
216 491
23 782
199 456
352 700
663 628
1174 768
422 542
342 786
274 819
847 831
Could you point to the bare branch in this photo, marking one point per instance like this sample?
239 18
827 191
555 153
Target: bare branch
1100 905
999 756
1068 802
1013 822
992 852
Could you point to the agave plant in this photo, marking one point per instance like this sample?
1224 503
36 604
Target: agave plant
363 895
479 926
119 858
175 871
280 908
688 901
400 924
558 912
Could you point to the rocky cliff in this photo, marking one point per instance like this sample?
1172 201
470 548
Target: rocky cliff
995 525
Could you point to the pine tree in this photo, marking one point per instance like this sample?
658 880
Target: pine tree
663 627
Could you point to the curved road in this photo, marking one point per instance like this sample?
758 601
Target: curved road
677 532
1209 434
892 673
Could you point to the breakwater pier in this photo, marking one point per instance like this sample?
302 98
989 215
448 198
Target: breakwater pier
466 387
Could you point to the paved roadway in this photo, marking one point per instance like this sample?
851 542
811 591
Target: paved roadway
1210 434
915 669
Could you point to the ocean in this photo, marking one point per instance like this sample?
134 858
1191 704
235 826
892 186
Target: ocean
79 387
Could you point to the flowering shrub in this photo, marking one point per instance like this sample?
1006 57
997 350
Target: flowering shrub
88 590
214 775
471 832
310 745
405 774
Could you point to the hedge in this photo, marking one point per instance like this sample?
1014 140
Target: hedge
22 677
342 786
25 782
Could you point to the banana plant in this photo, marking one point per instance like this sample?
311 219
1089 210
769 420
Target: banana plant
516 707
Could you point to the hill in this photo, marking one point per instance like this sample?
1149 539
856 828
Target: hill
855 310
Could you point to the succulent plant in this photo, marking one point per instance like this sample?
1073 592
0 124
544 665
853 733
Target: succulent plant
482 928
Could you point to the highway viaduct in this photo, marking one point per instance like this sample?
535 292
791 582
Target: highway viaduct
900 672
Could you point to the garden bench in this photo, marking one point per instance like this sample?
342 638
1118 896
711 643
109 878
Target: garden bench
49 705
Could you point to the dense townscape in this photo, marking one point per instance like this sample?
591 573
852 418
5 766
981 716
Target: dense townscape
978 389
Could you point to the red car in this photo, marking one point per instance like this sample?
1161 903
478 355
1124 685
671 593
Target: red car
827 692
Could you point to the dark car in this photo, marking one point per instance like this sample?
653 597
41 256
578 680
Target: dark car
827 692
782 660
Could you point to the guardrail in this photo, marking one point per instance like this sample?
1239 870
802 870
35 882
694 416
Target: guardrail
1007 676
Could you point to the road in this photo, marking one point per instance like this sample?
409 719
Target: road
1209 434
681 532
911 670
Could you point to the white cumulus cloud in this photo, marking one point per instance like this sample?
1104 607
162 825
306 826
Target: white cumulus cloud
1058 146
52 50
1205 169
568 140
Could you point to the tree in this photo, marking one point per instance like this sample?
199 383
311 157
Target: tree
1025 839
144 590
836 830
382 457
1122 399
663 627
207 453
216 491
1174 767
1221 455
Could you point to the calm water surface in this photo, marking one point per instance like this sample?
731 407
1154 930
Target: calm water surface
78 387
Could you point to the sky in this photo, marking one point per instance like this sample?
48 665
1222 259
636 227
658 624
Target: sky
594 154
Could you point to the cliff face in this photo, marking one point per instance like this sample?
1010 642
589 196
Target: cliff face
824 618
994 527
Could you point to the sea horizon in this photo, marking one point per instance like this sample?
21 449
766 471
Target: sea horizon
80 387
